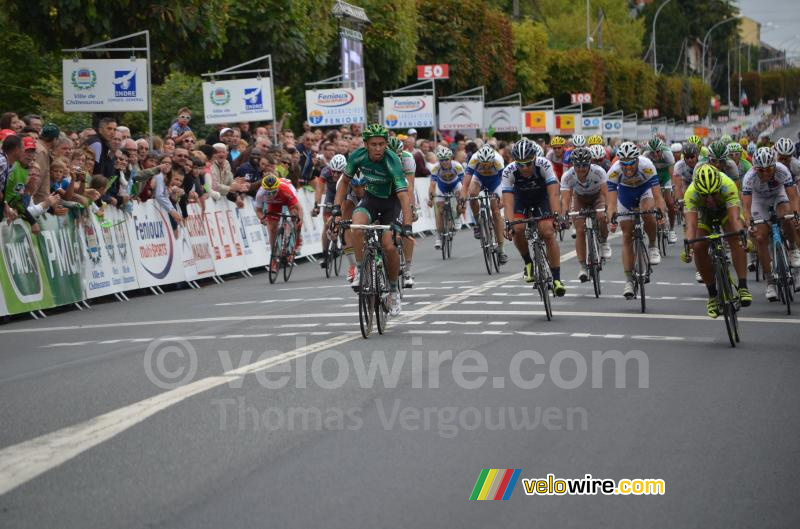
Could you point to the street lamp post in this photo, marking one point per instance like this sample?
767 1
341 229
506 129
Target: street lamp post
658 11
705 39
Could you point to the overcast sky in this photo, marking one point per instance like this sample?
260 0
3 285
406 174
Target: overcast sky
783 13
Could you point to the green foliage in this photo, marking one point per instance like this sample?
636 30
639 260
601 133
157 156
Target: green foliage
22 68
47 93
390 44
531 58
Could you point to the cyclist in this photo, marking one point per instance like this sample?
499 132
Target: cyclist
386 197
735 152
717 156
684 169
769 184
585 185
676 149
530 185
784 149
355 192
409 170
485 171
275 193
713 199
328 177
633 183
600 157
556 155
662 157
446 177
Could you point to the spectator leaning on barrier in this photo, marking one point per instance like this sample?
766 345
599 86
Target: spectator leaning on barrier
101 146
16 195
220 178
44 154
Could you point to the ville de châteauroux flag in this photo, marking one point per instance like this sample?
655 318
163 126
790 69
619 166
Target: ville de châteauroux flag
495 484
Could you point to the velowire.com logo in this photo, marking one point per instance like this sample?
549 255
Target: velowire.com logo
495 484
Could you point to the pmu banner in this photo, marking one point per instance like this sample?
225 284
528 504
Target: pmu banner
591 124
238 100
502 119
21 272
408 112
157 254
461 115
538 122
568 124
195 245
612 127
60 249
104 85
226 239
335 106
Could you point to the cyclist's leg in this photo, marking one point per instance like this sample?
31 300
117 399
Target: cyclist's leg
327 223
738 251
782 208
496 216
650 224
759 210
364 213
580 228
627 200
474 190
702 260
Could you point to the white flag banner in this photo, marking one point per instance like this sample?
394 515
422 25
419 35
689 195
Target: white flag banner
460 115
238 100
502 119
335 106
408 112
107 85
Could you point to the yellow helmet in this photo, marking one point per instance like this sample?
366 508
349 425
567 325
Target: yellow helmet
695 139
558 141
595 139
707 180
270 182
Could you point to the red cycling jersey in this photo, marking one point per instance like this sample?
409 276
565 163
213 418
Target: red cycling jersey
286 196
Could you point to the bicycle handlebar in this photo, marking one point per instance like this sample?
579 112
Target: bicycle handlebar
741 233
532 219
584 212
790 216
656 212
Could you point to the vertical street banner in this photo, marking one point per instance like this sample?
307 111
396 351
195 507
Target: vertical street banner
253 239
461 115
502 119
104 85
222 227
335 106
566 124
408 112
21 273
156 253
195 245
238 100
538 122
60 249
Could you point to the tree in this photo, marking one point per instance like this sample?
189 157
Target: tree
531 58
390 44
22 69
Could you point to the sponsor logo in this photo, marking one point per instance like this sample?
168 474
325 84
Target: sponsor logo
335 99
155 245
92 242
22 267
391 120
124 83
253 99
408 105
84 78
315 117
220 96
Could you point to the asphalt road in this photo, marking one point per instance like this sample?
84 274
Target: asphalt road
263 432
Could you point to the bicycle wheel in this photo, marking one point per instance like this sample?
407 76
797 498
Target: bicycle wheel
662 242
380 297
486 243
366 295
781 265
543 280
337 261
451 232
494 241
331 258
289 255
594 262
445 228
275 256
725 301
640 272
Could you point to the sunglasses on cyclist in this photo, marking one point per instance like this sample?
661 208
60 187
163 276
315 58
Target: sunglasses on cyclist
581 165
524 164
629 163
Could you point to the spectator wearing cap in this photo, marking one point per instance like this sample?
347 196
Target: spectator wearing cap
15 189
44 155
180 127
216 135
101 146
220 179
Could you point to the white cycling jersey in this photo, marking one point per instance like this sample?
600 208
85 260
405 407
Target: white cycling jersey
753 185
684 172
594 182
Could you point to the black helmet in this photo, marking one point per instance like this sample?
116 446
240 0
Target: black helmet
580 156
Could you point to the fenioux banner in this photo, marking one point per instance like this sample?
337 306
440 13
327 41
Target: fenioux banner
502 119
408 111
158 257
238 100
612 127
109 85
538 122
460 115
335 106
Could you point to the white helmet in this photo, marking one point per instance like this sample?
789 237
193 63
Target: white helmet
598 152
784 147
764 157
485 154
338 163
676 147
538 149
443 153
628 151
578 141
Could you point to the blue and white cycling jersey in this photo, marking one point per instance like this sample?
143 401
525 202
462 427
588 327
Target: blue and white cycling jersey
447 178
630 189
490 173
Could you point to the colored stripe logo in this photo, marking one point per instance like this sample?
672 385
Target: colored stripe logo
495 484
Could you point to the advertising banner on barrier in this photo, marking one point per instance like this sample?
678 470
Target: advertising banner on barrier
567 124
60 250
123 267
612 127
408 111
195 245
108 85
21 273
238 100
254 236
538 122
335 106
591 124
157 255
312 226
460 115
502 119
226 239
98 279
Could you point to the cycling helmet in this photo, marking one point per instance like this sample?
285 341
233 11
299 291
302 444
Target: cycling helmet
726 139
695 139
707 180
270 182
594 139
718 151
743 142
443 153
734 147
578 141
358 180
764 157
375 130
580 156
751 148
784 147
395 145
690 150
598 152
485 154
338 163
557 141
524 150
655 144
538 149
628 151
676 147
